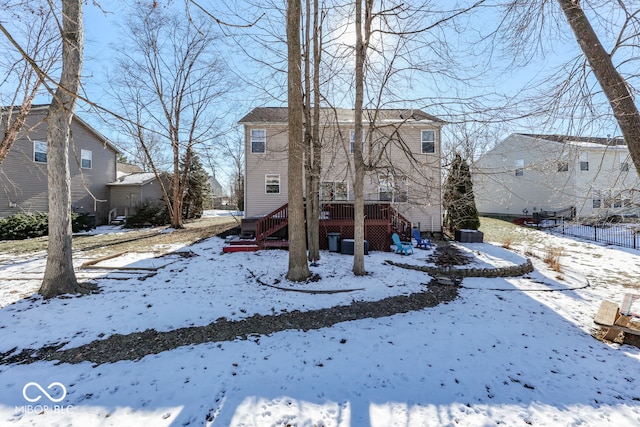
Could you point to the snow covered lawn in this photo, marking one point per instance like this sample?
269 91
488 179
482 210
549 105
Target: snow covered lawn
515 351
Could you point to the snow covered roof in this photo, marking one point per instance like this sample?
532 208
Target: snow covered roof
583 141
134 179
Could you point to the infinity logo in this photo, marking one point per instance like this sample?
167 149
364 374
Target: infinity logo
44 392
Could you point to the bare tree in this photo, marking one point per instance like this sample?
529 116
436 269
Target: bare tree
59 276
613 84
571 96
298 267
169 79
362 43
313 143
40 44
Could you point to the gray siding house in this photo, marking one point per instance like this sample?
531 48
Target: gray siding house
130 190
23 173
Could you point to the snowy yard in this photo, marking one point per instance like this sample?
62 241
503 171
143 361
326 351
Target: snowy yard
514 351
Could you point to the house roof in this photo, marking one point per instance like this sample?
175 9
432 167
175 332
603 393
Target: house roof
127 168
280 115
579 140
45 107
137 179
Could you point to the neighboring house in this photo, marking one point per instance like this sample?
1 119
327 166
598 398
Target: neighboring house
130 190
525 174
23 173
405 144
217 195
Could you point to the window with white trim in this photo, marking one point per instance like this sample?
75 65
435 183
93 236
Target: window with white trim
272 184
39 151
393 189
428 141
584 161
258 140
352 140
563 166
520 167
86 159
332 190
596 199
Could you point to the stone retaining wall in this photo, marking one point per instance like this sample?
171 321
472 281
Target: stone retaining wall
510 271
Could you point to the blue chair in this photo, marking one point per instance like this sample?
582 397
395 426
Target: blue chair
401 247
420 242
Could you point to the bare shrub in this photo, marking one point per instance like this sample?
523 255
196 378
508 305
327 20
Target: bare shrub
552 258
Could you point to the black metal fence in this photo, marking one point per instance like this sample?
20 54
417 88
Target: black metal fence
624 235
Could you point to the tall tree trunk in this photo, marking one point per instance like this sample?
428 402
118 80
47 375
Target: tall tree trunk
358 159
59 276
298 267
312 130
613 84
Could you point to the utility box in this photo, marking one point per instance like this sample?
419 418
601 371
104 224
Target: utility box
469 236
347 247
334 242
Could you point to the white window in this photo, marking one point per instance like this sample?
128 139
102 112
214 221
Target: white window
563 166
352 139
258 140
597 199
40 151
520 167
393 189
428 141
335 191
86 159
272 184
584 161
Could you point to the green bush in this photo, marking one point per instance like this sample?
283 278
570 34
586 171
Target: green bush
24 226
83 222
148 214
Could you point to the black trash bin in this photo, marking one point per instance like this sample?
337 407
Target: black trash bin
334 242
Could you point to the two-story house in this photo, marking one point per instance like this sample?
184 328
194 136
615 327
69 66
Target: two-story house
403 147
526 173
23 173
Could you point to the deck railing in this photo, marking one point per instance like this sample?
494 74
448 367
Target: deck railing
372 212
272 222
338 212
118 212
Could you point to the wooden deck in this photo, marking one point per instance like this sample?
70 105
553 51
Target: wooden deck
381 221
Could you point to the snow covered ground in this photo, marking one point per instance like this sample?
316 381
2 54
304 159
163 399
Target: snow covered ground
514 351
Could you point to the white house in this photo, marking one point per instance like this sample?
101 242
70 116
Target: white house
527 173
